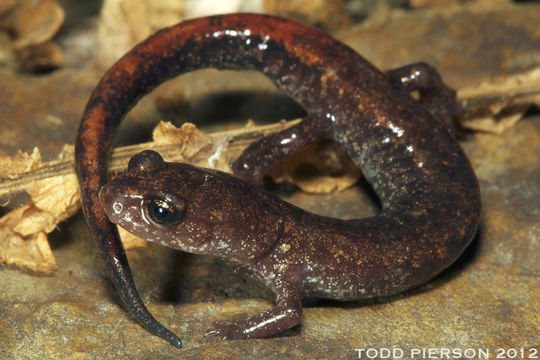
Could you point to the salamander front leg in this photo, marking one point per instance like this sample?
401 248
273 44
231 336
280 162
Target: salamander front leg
261 155
286 314
438 98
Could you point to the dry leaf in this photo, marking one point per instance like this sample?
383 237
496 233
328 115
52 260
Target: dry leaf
7 5
23 240
29 251
41 57
329 14
57 196
195 147
23 231
496 105
129 240
11 166
321 168
191 142
124 23
8 56
37 21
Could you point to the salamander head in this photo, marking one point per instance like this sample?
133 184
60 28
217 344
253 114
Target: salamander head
192 209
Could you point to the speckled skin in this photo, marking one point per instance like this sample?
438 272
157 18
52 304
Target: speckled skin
428 191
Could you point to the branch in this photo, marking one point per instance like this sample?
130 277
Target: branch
235 141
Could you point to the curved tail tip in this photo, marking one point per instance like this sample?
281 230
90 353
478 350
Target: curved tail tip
159 330
171 337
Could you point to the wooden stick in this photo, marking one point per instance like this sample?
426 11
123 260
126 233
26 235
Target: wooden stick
236 141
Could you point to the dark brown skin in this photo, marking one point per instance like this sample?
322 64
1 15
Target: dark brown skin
428 191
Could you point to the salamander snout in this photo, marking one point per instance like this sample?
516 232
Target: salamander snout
109 201
131 202
121 197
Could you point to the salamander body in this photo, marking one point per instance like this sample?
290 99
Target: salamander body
428 191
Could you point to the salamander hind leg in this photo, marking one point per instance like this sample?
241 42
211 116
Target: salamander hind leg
435 95
261 155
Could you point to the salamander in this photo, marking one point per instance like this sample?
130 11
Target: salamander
429 194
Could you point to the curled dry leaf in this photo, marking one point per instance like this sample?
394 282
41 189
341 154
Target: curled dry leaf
23 239
41 57
124 23
37 21
319 169
12 166
7 5
33 24
29 251
190 141
57 197
194 146
496 105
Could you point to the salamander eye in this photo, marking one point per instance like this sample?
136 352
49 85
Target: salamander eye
164 210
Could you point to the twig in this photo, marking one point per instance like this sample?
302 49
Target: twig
236 141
